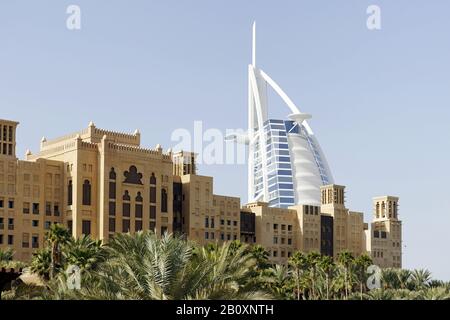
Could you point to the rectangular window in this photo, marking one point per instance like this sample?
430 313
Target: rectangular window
56 212
48 208
152 226
275 240
1 203
289 227
35 208
1 239
86 227
222 236
206 235
112 225
10 240
289 241
35 241
26 207
283 227
235 223
206 223
11 204
212 235
152 212
11 224
275 226
112 190
1 223
229 222
212 223
70 226
138 225
138 210
228 237
125 225
152 194
222 222
47 225
112 208
25 240
126 210
35 223
275 253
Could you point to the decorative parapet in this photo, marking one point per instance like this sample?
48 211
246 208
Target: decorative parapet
48 143
71 145
129 148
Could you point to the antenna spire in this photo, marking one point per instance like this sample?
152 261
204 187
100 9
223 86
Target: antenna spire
254 45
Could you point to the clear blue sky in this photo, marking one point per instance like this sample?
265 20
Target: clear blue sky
380 100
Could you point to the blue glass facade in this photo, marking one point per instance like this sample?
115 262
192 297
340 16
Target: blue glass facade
279 164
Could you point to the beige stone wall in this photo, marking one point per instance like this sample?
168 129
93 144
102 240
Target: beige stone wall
386 233
228 210
277 230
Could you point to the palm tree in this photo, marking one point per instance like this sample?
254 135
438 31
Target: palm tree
390 279
83 252
404 278
313 259
261 256
231 272
6 255
298 264
41 263
436 293
380 294
346 260
278 279
420 278
56 237
326 265
141 266
361 264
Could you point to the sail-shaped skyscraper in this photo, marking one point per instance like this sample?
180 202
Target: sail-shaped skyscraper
286 165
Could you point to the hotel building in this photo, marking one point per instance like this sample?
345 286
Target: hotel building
100 182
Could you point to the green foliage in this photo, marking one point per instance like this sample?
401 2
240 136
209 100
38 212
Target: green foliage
144 267
6 255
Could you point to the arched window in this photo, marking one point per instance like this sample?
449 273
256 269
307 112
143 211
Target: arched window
152 194
139 197
163 200
86 193
112 174
153 179
126 196
69 193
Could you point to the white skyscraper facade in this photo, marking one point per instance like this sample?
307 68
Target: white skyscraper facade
286 165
